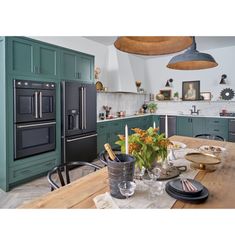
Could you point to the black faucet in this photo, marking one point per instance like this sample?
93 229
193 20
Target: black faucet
194 111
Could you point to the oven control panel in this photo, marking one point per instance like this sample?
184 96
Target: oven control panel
34 84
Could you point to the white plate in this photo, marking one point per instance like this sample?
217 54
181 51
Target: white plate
178 145
212 148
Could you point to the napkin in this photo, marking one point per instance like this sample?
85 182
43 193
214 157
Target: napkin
104 201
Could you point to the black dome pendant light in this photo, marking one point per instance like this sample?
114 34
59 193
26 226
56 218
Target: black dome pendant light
191 59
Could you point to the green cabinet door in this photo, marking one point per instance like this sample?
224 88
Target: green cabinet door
85 68
199 126
156 119
132 123
102 136
27 58
115 128
146 122
217 126
184 126
48 61
69 65
21 55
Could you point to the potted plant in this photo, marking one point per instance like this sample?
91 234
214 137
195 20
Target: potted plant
176 95
147 146
152 107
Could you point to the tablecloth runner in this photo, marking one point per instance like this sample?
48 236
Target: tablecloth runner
140 199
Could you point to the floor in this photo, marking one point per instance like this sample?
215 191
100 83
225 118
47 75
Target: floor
31 190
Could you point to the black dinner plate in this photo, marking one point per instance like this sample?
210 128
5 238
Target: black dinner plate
176 185
203 195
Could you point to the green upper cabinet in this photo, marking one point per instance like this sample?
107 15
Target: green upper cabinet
29 58
21 56
48 58
77 66
86 68
69 65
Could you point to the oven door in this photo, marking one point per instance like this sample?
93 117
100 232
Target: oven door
34 105
32 139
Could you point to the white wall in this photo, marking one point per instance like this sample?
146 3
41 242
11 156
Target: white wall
157 73
123 70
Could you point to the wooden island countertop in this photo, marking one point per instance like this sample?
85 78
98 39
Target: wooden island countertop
80 193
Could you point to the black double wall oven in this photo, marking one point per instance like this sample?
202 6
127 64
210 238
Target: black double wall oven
34 117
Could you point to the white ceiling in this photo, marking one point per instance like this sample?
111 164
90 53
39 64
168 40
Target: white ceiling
203 43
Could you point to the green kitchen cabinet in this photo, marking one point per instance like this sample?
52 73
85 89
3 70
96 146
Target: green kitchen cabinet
146 122
102 136
26 171
217 126
132 123
85 68
77 66
184 126
155 119
115 128
28 57
69 65
199 125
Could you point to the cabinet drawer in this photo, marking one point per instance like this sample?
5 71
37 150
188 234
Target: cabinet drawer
30 171
217 122
231 137
232 125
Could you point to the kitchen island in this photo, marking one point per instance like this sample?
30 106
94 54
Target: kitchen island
81 192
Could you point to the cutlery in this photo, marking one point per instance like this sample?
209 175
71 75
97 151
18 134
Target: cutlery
183 185
188 186
194 188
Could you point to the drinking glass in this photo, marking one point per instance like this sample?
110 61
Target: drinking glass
127 189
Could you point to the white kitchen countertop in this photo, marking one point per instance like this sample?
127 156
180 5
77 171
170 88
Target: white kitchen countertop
160 114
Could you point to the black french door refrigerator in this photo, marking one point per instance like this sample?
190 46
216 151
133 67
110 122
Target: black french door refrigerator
79 135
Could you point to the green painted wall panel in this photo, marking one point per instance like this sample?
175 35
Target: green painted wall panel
3 166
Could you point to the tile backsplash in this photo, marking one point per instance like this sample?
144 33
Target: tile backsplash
128 102
131 103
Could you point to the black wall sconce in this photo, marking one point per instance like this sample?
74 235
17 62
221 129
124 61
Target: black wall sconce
169 83
223 77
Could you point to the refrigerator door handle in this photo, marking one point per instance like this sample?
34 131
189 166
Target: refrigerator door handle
85 112
82 100
36 104
40 104
80 138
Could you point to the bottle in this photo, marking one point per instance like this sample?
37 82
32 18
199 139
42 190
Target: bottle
111 154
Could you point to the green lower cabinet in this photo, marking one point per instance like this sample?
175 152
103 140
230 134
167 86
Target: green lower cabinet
192 126
146 122
102 136
155 119
184 126
199 125
217 126
115 128
132 123
24 172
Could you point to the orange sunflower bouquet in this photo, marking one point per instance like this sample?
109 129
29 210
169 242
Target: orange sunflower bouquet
146 146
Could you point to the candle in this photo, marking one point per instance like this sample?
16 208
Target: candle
154 124
166 126
126 138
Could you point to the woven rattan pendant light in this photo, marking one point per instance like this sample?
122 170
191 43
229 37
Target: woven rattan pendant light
192 60
147 45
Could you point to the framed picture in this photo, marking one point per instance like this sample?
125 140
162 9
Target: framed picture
191 90
166 93
205 95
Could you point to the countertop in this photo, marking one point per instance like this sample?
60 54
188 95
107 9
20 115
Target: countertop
163 114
